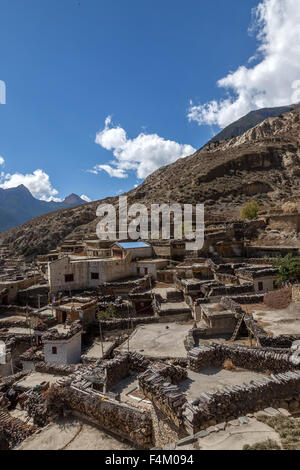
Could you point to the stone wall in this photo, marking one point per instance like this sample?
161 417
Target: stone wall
159 385
248 299
131 286
238 400
282 341
7 382
57 369
125 323
231 290
109 372
125 421
259 359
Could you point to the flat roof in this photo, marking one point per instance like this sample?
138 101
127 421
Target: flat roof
158 340
127 245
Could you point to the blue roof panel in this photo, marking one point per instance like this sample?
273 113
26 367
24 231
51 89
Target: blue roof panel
134 245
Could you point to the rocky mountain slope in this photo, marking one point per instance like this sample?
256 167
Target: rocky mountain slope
17 205
263 163
251 119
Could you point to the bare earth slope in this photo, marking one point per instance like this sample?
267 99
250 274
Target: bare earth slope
263 163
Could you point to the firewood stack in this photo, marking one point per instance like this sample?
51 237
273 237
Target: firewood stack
234 401
166 396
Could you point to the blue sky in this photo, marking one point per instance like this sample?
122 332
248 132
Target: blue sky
70 64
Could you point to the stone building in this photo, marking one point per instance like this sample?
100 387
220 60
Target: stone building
263 278
135 249
68 274
74 309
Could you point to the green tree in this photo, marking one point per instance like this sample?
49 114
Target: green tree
108 314
289 268
250 210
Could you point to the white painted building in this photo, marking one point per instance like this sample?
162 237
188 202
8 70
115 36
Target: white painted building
64 348
82 273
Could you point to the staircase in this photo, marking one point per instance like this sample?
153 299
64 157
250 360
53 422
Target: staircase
237 327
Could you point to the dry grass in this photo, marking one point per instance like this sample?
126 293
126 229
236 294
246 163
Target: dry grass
228 365
287 428
265 445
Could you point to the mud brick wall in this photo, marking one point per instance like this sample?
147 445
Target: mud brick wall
231 402
279 298
127 422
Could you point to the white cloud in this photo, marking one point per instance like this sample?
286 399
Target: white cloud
51 199
2 161
143 154
85 198
38 184
113 172
273 81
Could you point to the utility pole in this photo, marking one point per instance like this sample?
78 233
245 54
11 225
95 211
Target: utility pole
100 332
128 334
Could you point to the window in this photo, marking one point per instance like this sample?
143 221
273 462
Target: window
94 275
138 271
54 350
260 286
69 277
146 271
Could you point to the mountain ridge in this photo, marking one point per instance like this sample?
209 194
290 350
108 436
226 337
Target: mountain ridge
18 205
263 163
250 120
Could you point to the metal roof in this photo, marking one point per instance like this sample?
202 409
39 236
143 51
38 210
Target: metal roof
128 245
